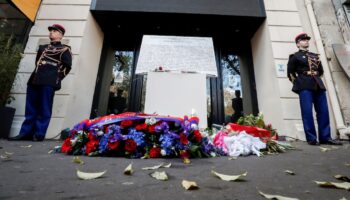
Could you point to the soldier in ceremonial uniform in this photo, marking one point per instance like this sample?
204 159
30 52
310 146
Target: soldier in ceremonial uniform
305 71
53 63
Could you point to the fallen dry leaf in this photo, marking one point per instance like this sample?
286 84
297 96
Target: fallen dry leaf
157 166
189 185
344 185
77 160
128 170
167 166
229 177
159 176
276 197
8 153
342 178
186 161
128 183
146 156
50 152
28 146
289 172
232 158
153 167
5 157
88 176
324 149
347 164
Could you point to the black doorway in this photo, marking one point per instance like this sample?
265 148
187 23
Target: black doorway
231 36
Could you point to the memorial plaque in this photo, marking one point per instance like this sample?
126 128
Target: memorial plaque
342 52
177 54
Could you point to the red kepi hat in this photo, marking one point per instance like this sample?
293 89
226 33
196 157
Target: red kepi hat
302 36
57 27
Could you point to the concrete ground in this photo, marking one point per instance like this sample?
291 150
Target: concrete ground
33 173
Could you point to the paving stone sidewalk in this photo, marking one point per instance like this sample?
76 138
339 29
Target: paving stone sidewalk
29 171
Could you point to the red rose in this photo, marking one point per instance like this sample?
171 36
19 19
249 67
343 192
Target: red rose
66 146
141 127
184 154
152 129
183 138
91 136
130 145
91 146
154 152
113 146
194 119
126 123
197 136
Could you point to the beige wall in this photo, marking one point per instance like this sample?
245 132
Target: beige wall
73 102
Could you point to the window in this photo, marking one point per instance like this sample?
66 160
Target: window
12 21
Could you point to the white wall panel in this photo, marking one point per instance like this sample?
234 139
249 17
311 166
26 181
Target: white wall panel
282 5
281 18
63 12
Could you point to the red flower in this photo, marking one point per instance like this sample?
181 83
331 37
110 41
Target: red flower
141 127
91 136
113 146
194 119
197 136
154 152
152 129
91 146
130 145
184 154
126 123
183 138
66 146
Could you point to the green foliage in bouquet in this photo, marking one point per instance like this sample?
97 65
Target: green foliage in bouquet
251 120
258 121
10 56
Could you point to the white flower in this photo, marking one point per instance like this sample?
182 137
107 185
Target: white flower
194 126
100 133
163 152
151 121
73 141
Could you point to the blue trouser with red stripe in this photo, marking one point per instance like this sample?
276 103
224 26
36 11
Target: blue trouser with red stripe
38 111
318 99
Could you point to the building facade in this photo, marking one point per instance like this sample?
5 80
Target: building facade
259 35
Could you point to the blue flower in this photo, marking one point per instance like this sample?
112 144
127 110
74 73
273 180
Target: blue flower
103 146
138 137
166 143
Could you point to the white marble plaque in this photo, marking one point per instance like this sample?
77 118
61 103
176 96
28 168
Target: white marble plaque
176 53
177 94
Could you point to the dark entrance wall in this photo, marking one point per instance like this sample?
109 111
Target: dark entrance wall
253 8
231 24
179 17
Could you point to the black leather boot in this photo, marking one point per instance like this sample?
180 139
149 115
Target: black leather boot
20 137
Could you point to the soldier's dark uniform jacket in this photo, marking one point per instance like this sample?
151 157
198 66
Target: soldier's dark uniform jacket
53 63
305 71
